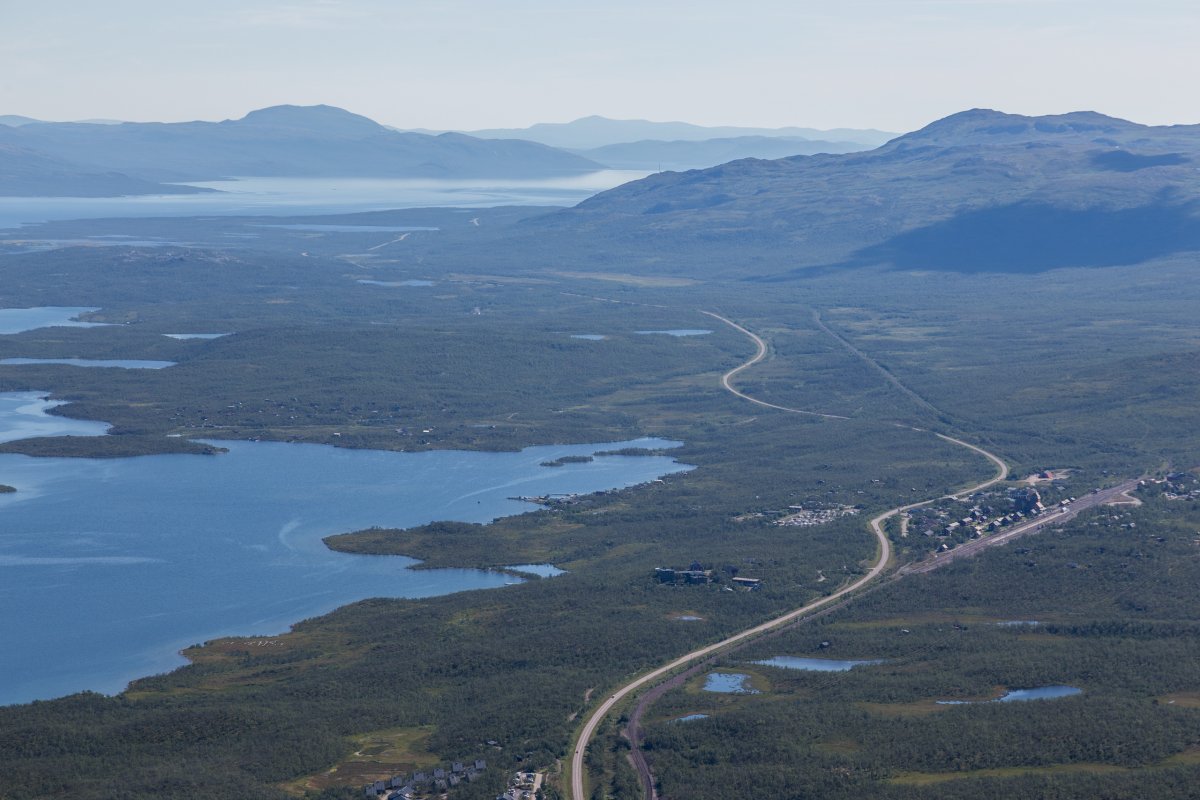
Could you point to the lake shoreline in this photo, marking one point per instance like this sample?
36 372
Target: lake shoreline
234 547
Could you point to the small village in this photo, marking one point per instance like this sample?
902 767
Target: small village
523 786
807 515
802 517
951 522
1175 486
425 784
437 783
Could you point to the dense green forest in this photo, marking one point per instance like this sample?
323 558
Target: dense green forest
1045 373
1106 604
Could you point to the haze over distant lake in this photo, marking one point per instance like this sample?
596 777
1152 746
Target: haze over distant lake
298 196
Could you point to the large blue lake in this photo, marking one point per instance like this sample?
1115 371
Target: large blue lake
109 567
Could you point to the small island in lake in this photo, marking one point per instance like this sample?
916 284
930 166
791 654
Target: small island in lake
564 460
6 489
631 451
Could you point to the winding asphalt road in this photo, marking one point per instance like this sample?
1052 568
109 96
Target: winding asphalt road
884 556
727 378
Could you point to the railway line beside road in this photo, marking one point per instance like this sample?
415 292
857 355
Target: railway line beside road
877 570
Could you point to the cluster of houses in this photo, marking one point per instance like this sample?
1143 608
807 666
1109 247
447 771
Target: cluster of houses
697 574
1178 486
802 517
523 786
422 784
985 516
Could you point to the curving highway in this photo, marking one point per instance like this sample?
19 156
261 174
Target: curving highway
884 555
727 378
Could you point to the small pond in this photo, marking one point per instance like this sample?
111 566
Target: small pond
90 362
677 332
1020 695
1041 693
195 335
690 718
729 683
591 337
816 664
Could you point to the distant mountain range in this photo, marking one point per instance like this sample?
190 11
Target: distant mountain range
16 121
977 191
24 173
591 132
106 157
282 141
656 155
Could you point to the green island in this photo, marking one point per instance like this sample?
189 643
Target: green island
1086 373
562 461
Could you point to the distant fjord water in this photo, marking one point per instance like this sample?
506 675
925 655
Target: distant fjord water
252 196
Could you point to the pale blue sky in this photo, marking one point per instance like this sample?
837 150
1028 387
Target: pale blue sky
891 64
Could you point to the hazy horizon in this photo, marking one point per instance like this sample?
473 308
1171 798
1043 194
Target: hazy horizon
462 65
106 120
240 115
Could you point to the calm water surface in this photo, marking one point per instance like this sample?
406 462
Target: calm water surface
23 416
1040 693
729 683
1020 695
352 228
19 320
394 284
122 363
541 570
815 664
298 196
109 566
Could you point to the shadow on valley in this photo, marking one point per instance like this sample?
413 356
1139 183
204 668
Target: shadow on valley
1125 161
1026 238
